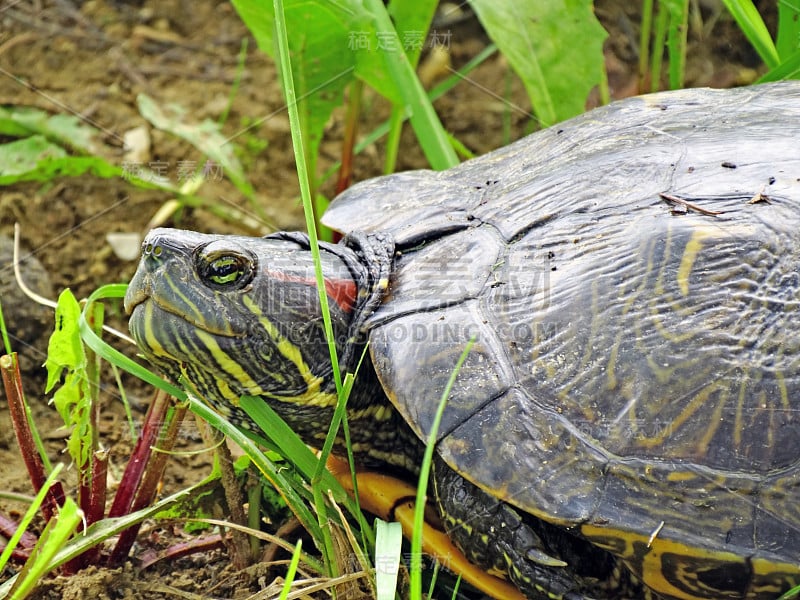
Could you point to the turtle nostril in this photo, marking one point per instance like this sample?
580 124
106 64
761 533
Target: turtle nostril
162 243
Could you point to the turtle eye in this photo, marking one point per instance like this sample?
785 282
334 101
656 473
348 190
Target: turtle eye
225 267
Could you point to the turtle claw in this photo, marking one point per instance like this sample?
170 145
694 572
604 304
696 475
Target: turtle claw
542 558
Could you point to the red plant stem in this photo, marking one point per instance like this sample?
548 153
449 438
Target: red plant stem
149 469
8 527
18 554
93 501
349 141
12 381
93 483
205 544
97 500
134 471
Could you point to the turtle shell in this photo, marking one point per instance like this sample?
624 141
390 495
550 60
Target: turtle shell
630 278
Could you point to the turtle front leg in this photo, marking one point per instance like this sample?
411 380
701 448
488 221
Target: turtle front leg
542 560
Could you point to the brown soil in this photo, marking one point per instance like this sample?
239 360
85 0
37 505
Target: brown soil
93 58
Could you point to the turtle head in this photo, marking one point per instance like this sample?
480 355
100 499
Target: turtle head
232 316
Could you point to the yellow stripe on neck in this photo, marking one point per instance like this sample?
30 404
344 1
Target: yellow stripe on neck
313 396
230 366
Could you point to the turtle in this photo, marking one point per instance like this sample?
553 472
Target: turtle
624 423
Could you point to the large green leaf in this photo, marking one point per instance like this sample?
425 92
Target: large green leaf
555 46
36 159
205 136
331 43
322 63
66 130
412 21
753 26
788 37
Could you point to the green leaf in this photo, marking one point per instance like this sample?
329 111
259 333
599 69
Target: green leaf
754 28
205 136
65 355
64 350
333 42
30 514
788 69
555 46
678 11
322 63
788 37
65 130
24 156
53 539
388 546
102 530
37 159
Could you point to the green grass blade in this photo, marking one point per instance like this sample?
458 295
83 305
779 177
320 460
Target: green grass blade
282 43
424 475
56 534
28 517
427 126
4 331
292 570
102 530
286 442
788 69
676 40
657 57
754 29
388 547
237 81
788 36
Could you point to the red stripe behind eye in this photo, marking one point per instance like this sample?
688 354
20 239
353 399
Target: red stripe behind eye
341 291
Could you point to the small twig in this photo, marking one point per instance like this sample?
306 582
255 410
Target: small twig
283 532
759 197
22 38
690 205
238 543
195 546
655 533
8 527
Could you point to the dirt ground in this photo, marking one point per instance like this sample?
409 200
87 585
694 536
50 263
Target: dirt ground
93 58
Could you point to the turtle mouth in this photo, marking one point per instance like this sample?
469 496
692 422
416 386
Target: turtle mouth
170 341
146 288
133 298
